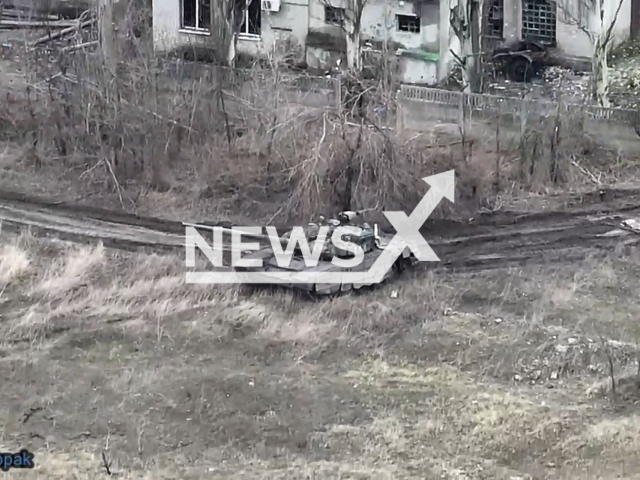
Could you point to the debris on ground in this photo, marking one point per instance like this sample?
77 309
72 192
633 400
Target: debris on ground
64 32
86 20
624 75
632 224
556 82
519 61
15 17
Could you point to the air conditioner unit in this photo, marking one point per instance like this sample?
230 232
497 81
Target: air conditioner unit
271 5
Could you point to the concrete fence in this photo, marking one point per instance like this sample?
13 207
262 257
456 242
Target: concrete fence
451 105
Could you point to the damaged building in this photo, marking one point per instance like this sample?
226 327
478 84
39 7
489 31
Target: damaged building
559 25
417 33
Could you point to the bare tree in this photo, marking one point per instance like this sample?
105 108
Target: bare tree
351 23
222 31
465 18
227 17
598 23
112 15
353 26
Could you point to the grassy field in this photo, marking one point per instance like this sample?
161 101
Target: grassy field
110 357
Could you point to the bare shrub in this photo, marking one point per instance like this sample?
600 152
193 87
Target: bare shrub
546 137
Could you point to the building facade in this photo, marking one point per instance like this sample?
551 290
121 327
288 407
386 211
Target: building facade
559 24
418 32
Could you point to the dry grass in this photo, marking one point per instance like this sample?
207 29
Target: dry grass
15 263
498 375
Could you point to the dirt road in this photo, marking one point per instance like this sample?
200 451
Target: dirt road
488 241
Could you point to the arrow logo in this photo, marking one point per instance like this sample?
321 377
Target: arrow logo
407 236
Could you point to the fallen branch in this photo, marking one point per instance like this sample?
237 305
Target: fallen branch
375 127
372 209
586 172
22 24
115 180
89 170
63 32
80 46
69 77
13 13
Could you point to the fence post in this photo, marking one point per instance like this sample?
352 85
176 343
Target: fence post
463 113
464 124
399 114
338 92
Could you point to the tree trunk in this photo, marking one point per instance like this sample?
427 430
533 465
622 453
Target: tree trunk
468 69
223 19
600 69
113 30
475 18
354 52
465 18
107 34
231 55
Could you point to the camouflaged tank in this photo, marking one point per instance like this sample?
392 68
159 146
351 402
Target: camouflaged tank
368 238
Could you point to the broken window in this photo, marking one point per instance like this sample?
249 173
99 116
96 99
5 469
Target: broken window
539 21
196 14
250 15
495 19
333 15
408 23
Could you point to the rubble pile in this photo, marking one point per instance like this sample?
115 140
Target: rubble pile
558 83
554 84
624 75
565 83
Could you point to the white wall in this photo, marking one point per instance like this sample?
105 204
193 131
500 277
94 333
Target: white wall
570 39
512 28
166 23
292 16
373 28
291 21
573 41
373 22
418 71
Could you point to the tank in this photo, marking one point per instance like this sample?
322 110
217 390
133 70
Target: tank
369 238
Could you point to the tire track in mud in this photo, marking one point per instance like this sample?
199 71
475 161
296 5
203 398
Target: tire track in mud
490 241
